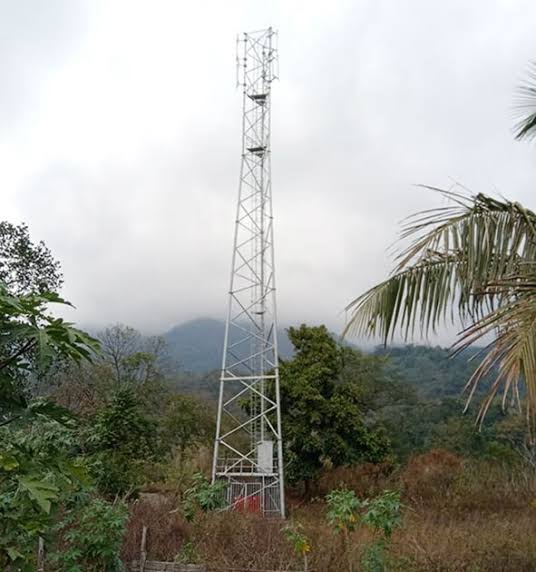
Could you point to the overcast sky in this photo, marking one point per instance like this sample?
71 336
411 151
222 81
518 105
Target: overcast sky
120 140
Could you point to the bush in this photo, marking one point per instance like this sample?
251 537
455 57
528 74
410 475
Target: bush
204 496
91 534
119 441
36 476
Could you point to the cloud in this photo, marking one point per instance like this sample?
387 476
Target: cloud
34 38
123 148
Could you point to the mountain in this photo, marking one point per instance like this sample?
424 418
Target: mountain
197 345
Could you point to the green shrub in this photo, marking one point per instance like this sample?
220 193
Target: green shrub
36 475
343 510
204 496
119 441
382 515
91 534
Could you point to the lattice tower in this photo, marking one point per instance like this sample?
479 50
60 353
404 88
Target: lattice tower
248 452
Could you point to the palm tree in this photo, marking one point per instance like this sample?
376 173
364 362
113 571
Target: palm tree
472 261
525 127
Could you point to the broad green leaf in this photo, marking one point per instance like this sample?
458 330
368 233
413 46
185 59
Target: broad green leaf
43 493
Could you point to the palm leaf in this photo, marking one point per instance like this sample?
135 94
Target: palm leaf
474 261
525 127
512 353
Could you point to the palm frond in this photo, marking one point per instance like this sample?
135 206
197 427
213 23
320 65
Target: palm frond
455 253
525 127
511 354
419 296
473 260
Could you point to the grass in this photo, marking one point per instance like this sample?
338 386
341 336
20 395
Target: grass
459 516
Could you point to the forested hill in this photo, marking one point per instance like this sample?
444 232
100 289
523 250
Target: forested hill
196 347
431 370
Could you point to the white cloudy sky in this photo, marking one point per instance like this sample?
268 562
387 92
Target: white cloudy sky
120 139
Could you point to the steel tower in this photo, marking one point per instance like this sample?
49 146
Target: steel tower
248 452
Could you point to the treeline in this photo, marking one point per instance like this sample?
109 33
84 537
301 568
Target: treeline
414 393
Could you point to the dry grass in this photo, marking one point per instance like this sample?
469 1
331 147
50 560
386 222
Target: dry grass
167 529
459 516
443 542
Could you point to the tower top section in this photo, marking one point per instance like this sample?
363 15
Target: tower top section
257 61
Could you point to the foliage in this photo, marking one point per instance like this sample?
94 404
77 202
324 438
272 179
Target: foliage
295 534
31 341
188 554
374 558
135 433
120 437
204 496
92 533
384 513
473 260
323 421
415 427
25 267
37 472
82 389
430 370
121 425
343 510
301 544
185 421
525 127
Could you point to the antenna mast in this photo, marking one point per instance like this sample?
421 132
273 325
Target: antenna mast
248 450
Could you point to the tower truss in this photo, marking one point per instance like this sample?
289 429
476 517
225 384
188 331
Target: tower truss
248 451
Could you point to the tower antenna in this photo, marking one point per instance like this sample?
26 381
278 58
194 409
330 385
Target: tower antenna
248 450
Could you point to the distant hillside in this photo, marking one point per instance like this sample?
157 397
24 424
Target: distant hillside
197 345
430 369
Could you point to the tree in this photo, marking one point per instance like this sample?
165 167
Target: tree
473 260
26 267
82 388
133 357
185 421
36 471
322 418
119 440
127 359
31 339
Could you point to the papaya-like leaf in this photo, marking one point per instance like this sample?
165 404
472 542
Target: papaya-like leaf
41 492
